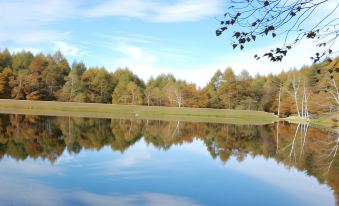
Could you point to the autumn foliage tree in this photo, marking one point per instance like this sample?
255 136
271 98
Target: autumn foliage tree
310 90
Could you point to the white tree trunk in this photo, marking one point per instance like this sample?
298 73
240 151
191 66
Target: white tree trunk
295 94
279 100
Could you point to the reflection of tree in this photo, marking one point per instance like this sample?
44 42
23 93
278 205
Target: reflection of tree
163 134
34 137
308 149
299 133
126 133
330 152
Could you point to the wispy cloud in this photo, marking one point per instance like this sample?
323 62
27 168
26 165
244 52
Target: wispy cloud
125 38
37 12
68 49
32 37
146 63
158 11
135 55
28 14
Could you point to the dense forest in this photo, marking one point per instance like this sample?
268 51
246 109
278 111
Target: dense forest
308 90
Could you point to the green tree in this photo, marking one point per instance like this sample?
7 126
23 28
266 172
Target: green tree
55 73
72 89
5 59
134 93
124 94
212 88
21 62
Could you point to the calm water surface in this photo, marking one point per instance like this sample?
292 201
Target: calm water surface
81 161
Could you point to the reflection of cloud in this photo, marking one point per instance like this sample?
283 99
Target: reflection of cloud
29 168
16 191
197 147
155 199
129 165
19 191
149 199
296 183
139 154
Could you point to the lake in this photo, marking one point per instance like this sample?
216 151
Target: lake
82 161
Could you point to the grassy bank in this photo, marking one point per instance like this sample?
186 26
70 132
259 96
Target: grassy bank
324 121
52 108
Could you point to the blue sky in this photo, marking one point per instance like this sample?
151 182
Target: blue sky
148 36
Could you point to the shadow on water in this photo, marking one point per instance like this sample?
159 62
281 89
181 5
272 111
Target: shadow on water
308 149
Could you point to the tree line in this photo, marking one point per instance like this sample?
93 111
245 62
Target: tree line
309 90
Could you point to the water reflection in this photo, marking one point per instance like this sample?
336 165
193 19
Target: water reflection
264 153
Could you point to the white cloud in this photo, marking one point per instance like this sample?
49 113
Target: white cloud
147 62
296 58
68 50
35 12
32 37
136 55
158 11
188 10
125 38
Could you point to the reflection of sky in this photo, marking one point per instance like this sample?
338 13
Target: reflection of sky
143 175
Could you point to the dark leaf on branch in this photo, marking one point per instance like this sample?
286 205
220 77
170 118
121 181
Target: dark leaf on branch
311 35
242 40
223 28
266 3
237 34
270 28
266 31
